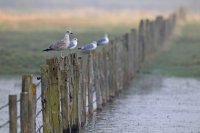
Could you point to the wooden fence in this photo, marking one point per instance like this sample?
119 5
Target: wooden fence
73 87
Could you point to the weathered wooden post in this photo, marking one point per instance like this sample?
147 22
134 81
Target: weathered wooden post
107 72
53 94
81 99
74 120
125 59
135 51
97 81
141 41
13 113
91 84
158 22
24 112
147 39
152 36
102 77
45 99
32 108
115 72
112 68
64 93
27 105
84 70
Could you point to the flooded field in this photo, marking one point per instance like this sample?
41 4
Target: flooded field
152 104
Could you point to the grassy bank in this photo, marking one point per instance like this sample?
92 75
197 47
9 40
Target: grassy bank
21 50
23 36
183 57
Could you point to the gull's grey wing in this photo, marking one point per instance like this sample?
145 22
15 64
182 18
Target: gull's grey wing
58 45
88 46
101 40
71 44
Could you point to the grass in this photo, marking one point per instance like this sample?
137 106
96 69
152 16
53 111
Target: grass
24 36
21 51
183 57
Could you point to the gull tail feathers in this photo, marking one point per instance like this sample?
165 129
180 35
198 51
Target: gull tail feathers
48 49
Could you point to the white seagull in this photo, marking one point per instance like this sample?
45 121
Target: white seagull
89 47
73 43
103 41
60 45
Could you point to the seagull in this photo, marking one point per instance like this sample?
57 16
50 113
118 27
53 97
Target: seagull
89 47
73 43
60 45
103 41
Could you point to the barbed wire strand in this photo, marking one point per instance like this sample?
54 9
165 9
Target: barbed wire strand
38 84
40 126
38 113
5 124
18 117
38 98
39 129
4 106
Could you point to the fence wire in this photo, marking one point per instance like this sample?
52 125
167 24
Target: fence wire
4 124
39 129
38 98
4 106
38 113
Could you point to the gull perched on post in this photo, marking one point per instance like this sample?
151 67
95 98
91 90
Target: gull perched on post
89 47
73 43
103 41
60 45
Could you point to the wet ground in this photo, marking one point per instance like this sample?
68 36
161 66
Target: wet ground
152 104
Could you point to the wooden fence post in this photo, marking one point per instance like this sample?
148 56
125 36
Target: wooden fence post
135 51
84 70
64 93
102 77
27 107
45 100
107 73
24 112
91 84
81 107
74 123
141 41
13 113
111 70
53 93
32 108
97 82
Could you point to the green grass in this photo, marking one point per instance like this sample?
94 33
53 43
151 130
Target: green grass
183 57
21 48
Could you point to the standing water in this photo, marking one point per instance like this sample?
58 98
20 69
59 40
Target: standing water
152 104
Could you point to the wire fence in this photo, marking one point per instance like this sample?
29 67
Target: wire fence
6 106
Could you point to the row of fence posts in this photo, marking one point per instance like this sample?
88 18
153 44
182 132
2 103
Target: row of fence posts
27 107
71 85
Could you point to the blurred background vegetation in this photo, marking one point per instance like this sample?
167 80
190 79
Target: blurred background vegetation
29 26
